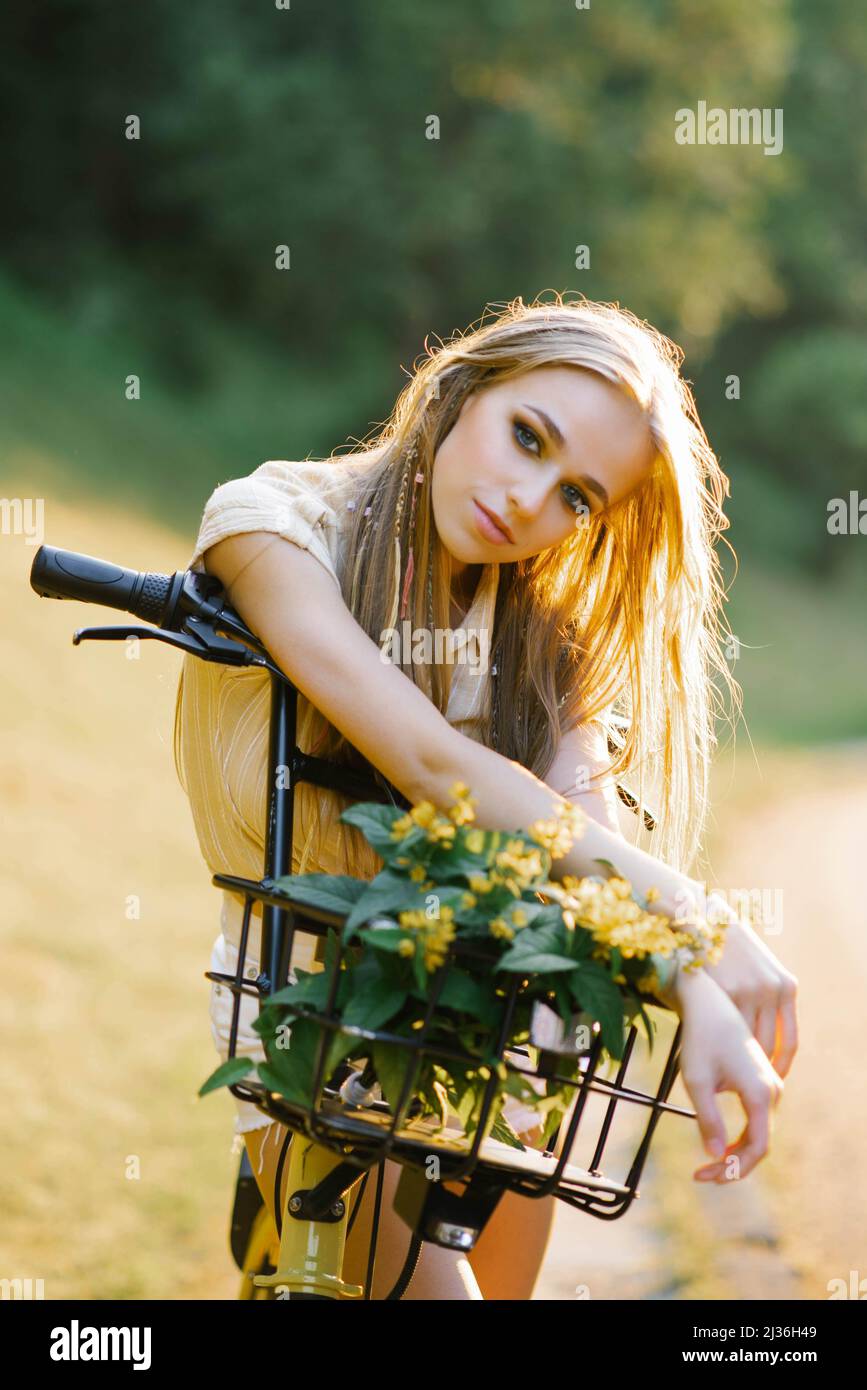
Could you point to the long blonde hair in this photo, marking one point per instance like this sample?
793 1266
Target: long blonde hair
624 618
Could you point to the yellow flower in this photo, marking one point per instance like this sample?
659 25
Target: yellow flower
519 917
525 866
442 830
435 933
417 873
480 883
424 813
412 917
500 927
557 834
475 841
615 919
401 827
438 938
406 947
469 900
462 812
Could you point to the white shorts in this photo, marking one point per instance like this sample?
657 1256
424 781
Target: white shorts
224 958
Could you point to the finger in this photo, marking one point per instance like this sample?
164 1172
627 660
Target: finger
708 1115
788 1037
752 1145
713 1172
765 1029
749 1014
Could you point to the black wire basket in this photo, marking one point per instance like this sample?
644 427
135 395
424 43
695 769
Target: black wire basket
349 1114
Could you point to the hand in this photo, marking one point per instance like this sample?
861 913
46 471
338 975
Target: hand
763 990
719 1054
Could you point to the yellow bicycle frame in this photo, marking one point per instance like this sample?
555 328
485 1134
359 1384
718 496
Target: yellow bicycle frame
310 1258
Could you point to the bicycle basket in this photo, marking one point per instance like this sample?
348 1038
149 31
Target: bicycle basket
366 1107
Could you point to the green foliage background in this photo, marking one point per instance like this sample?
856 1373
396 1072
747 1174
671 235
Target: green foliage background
306 126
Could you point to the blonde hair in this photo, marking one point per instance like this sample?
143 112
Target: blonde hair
624 619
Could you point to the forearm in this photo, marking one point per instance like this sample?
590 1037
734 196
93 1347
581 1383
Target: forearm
509 797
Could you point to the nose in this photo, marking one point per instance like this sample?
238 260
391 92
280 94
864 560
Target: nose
526 499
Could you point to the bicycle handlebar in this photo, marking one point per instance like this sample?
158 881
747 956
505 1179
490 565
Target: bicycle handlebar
65 574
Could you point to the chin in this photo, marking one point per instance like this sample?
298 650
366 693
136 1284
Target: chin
463 550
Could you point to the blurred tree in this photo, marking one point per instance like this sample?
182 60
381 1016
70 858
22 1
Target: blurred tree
423 161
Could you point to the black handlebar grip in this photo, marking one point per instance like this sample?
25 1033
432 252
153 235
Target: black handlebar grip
66 574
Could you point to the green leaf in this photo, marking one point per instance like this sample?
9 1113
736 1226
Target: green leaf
375 822
419 969
384 938
388 892
563 998
550 939
581 943
543 915
540 963
391 1061
552 934
311 988
342 1045
502 1130
289 1071
331 892
227 1074
595 992
466 1105
378 1003
638 1010
470 996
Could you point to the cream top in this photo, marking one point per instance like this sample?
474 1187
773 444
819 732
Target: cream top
223 712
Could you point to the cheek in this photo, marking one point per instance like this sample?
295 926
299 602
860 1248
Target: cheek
441 491
556 531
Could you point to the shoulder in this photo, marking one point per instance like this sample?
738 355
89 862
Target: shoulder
299 501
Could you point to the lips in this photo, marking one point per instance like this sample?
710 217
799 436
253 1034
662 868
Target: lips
490 527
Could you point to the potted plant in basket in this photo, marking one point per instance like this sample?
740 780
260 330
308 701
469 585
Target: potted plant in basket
453 916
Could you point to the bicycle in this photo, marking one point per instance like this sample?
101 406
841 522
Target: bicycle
332 1148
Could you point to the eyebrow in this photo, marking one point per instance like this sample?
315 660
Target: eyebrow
559 438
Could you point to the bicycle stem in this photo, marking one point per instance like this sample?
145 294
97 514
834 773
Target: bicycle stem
311 1252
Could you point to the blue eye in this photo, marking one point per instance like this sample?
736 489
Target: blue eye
582 501
526 430
580 497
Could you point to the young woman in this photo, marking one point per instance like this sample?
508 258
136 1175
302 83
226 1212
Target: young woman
543 485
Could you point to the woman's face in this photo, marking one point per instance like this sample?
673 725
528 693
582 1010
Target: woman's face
533 455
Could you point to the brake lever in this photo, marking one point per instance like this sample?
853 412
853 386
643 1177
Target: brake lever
203 643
